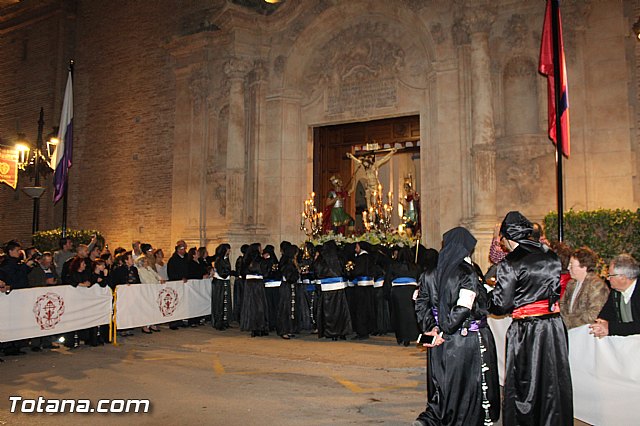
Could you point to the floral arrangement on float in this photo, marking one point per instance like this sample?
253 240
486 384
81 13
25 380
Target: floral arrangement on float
388 239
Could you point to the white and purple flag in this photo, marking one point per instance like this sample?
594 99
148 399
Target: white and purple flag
61 159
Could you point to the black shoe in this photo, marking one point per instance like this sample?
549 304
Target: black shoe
335 339
343 337
264 333
13 352
254 334
173 327
360 337
406 343
36 349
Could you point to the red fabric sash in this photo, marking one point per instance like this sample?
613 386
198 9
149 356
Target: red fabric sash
535 309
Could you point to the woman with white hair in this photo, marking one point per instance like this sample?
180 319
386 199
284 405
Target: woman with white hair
148 276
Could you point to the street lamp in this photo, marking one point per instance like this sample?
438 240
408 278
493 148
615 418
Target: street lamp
34 163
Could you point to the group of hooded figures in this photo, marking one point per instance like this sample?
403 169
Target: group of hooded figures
373 289
462 373
334 291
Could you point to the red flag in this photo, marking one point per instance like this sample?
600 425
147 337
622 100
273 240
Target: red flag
546 68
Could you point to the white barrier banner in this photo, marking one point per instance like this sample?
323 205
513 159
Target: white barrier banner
606 377
138 305
43 311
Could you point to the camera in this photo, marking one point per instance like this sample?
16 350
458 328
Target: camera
36 256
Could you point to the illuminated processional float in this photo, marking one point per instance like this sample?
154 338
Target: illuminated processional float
332 222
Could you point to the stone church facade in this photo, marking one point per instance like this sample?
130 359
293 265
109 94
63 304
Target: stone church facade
194 119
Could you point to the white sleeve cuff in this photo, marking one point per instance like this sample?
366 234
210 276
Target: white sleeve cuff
466 298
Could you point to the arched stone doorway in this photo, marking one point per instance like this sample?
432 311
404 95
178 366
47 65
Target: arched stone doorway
352 66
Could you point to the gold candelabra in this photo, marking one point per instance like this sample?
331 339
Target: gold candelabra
311 220
378 217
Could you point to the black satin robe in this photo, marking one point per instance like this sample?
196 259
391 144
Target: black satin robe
363 305
333 317
255 311
402 307
537 388
455 374
221 305
288 315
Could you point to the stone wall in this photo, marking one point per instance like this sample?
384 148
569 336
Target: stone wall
194 118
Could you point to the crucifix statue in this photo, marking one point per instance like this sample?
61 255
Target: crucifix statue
368 169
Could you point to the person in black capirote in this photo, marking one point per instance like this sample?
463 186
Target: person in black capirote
238 284
221 306
255 314
307 296
400 286
334 318
537 387
272 281
288 314
363 275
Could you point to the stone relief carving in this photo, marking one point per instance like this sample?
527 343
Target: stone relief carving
519 67
437 32
516 31
199 89
219 184
259 72
359 69
479 18
417 5
279 64
236 68
460 32
524 177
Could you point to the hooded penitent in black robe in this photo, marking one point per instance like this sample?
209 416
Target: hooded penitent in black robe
381 303
363 305
306 295
255 315
221 308
238 284
272 281
400 285
333 317
462 386
537 388
287 318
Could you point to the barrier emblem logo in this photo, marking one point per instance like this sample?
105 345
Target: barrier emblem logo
48 310
167 301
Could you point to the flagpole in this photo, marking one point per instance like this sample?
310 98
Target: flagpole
66 181
557 81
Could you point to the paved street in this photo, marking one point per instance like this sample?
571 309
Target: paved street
203 376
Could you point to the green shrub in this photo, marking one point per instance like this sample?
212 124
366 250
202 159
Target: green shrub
48 240
607 232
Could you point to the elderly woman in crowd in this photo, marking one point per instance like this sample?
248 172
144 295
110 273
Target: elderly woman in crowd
160 266
537 388
586 293
147 276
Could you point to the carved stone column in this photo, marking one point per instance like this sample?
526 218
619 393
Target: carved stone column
478 21
236 71
199 90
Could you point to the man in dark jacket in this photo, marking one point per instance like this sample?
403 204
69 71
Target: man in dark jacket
178 270
620 315
14 269
178 265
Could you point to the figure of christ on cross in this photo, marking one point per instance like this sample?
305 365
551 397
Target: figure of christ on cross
368 169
